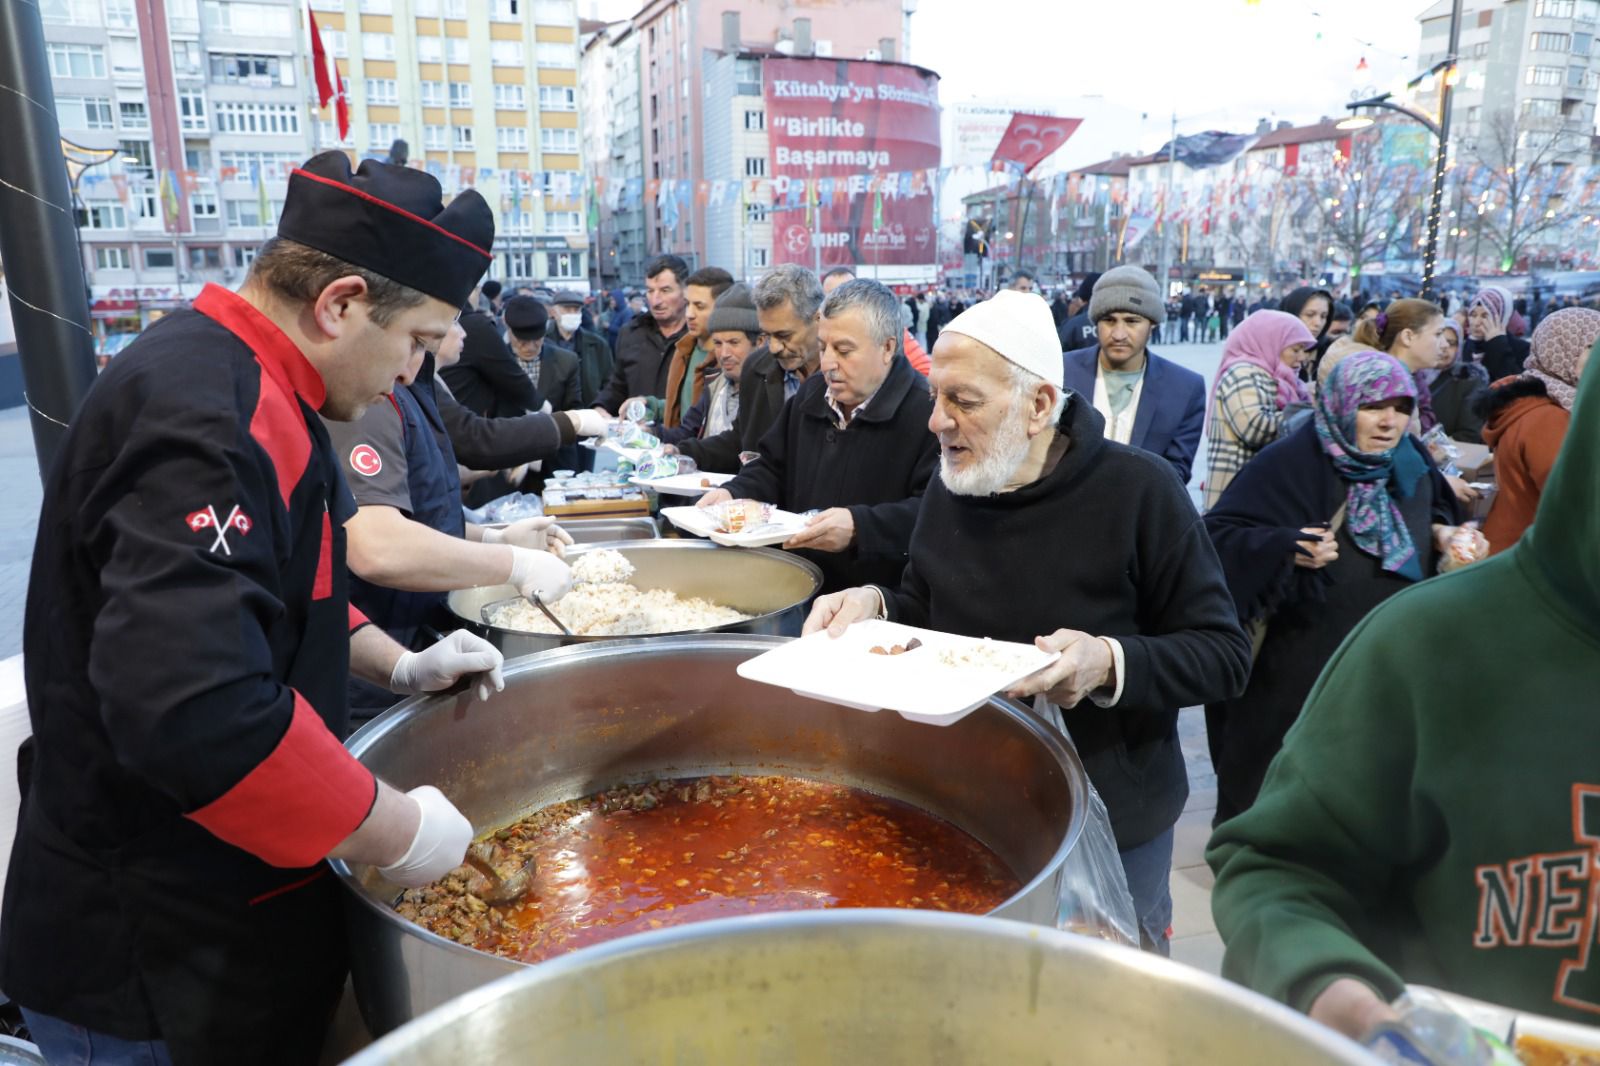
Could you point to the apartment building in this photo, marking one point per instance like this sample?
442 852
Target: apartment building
608 83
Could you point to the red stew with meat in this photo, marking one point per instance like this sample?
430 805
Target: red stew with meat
650 856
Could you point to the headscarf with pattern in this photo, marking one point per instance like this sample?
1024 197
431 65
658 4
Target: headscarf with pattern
1371 516
1496 301
1557 345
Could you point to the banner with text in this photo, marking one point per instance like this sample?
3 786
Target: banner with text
833 124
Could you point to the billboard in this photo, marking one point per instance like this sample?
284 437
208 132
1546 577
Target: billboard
854 146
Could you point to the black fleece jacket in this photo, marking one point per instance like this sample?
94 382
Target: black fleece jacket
1107 543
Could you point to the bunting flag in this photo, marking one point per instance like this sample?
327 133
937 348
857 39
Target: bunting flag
263 205
169 200
877 210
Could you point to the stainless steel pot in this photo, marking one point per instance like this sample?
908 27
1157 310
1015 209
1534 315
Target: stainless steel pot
774 586
575 721
893 988
605 530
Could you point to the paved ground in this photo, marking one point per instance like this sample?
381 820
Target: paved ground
20 493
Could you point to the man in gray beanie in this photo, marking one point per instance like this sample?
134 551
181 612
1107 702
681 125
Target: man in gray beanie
734 332
1147 401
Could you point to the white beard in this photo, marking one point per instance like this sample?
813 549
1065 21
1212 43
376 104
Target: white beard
990 474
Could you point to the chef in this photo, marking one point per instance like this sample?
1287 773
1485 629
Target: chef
188 635
1040 530
409 543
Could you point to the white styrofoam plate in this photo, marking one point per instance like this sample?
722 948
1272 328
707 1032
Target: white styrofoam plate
701 523
1507 1023
922 685
682 484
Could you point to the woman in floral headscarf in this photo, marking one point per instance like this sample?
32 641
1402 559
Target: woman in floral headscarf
1317 531
1525 419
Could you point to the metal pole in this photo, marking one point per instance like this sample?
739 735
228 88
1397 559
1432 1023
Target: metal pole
1435 204
49 301
1166 213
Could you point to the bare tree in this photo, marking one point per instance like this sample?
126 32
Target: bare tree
1518 194
1354 203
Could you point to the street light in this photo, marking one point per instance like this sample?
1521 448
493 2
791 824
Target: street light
1440 130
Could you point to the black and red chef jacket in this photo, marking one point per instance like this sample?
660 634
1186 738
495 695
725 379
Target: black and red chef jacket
186 650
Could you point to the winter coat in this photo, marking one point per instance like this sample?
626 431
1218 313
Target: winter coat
760 399
642 361
1525 428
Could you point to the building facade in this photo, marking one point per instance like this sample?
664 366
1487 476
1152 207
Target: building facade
608 78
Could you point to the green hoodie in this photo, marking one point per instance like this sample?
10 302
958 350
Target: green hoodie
1434 816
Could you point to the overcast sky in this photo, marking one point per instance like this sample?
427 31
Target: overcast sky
1220 64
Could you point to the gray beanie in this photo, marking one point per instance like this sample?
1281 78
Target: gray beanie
735 309
1127 288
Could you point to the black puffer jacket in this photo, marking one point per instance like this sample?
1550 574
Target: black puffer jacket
643 356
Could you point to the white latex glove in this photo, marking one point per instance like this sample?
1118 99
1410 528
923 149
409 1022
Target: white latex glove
439 846
460 655
541 572
539 534
589 423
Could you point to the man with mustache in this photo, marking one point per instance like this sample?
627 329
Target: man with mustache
1039 529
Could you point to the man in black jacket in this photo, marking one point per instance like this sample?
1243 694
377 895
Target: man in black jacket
1078 331
595 362
1040 530
645 344
487 378
853 444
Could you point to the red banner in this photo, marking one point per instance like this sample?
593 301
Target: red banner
846 135
1031 139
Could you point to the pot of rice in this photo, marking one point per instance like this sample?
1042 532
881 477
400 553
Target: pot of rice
649 588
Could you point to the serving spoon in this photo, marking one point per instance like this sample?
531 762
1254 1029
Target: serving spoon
502 891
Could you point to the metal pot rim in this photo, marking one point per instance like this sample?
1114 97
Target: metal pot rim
930 923
388 721
657 544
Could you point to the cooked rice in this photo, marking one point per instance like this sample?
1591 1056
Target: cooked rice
984 655
601 604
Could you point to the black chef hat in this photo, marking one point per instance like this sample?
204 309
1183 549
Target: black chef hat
392 221
526 316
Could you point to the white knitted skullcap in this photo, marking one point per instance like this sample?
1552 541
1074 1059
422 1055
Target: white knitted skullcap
1020 327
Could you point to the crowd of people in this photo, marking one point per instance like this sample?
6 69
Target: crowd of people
230 571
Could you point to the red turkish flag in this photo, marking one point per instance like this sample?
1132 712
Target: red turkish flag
319 62
1030 139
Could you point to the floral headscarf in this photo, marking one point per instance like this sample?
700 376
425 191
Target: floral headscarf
1372 517
1558 344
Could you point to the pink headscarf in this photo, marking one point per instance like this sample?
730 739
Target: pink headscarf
1259 340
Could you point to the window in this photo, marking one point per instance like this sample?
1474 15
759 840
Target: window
262 71
1588 10
456 50
145 203
563 222
377 46
249 20
755 212
239 116
205 257
755 166
552 140
430 50
272 166
455 9
555 54
111 257
187 60
758 258
552 12
1581 43
135 116
432 94
519 264
461 94
77 61
436 138
203 204
504 10
382 91
1541 108
120 15
159 259
243 255
328 134
558 98
564 264
1553 9
136 159
71 12
425 9
126 59
380 135
1550 42
685 88
377 7
105 216
248 213
755 119
336 44
192 110
462 137
747 72
506 53
511 138
510 98
1545 75
1477 51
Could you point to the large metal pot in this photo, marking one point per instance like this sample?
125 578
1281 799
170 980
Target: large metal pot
893 988
774 586
575 721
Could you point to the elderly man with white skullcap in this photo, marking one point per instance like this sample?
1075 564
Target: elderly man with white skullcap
1039 529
